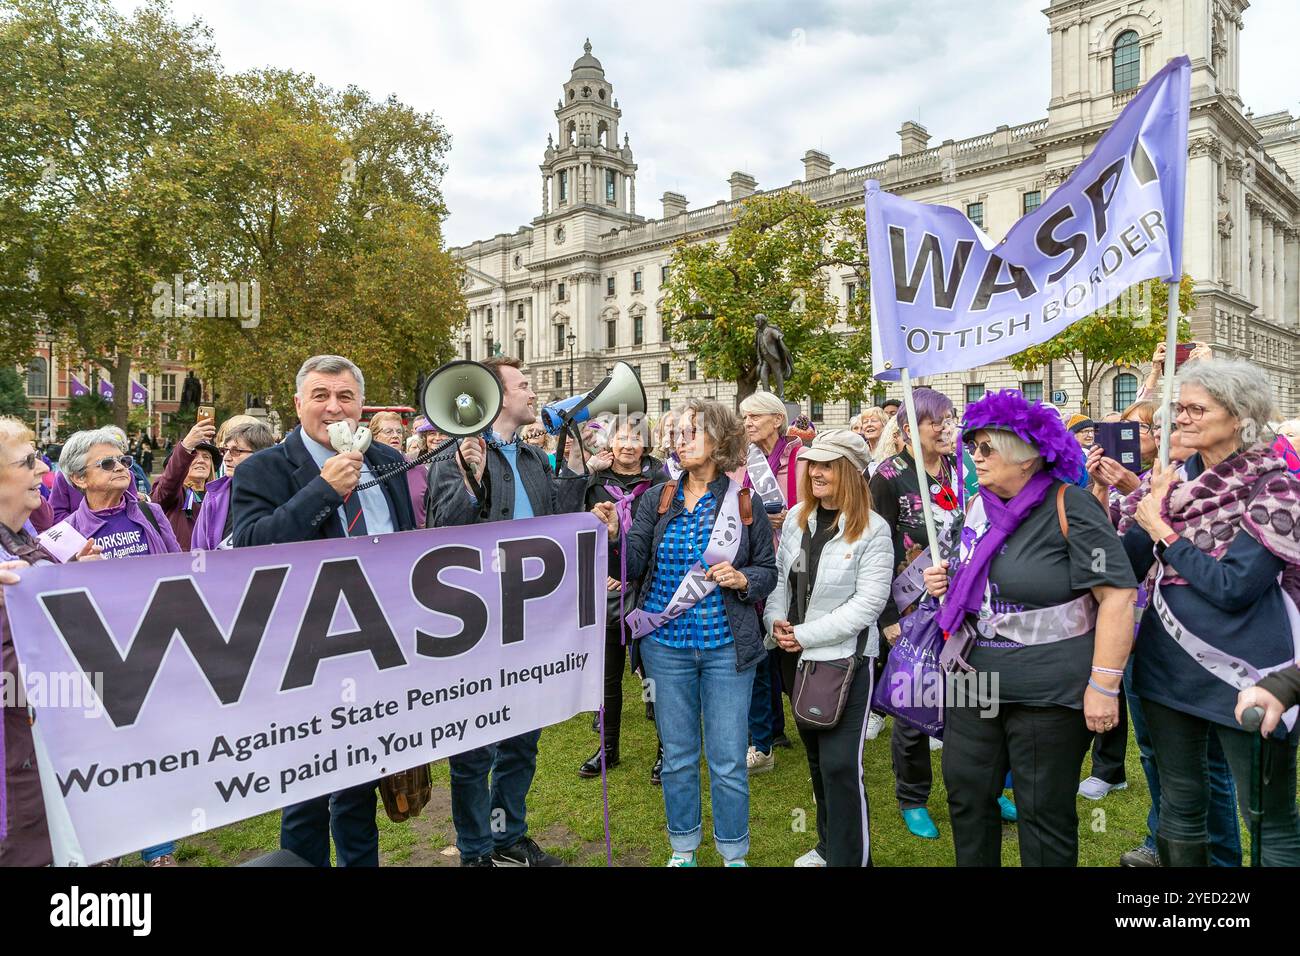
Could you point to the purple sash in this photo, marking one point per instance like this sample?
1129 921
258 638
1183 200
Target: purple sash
910 585
724 542
623 502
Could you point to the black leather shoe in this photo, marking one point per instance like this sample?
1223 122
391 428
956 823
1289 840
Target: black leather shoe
781 740
657 771
591 766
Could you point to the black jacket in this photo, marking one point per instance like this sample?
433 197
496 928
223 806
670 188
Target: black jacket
278 495
652 470
449 502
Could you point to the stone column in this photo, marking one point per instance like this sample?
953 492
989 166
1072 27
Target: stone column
1280 311
1256 255
1266 258
1291 314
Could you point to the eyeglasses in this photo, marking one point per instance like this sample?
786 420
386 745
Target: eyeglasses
234 451
1194 412
984 448
111 463
29 462
942 423
393 431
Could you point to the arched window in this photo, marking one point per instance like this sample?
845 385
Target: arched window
1124 391
37 372
573 133
1126 71
602 134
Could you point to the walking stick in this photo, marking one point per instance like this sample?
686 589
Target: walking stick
1251 718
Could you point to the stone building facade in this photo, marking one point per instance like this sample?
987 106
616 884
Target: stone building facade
580 287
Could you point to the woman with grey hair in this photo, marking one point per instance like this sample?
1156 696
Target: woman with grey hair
117 522
773 470
1218 541
706 557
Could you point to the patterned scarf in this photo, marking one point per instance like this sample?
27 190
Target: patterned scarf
1251 491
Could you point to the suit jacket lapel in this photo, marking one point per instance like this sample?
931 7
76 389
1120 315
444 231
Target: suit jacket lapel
305 471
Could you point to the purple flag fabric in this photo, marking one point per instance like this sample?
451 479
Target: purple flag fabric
77 388
305 668
139 395
106 389
945 297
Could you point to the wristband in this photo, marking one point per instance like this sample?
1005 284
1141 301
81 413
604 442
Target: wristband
1101 690
1108 670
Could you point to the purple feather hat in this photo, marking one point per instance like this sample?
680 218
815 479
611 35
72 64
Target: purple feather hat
1035 423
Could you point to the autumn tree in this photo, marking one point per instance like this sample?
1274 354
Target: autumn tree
777 260
104 116
1125 332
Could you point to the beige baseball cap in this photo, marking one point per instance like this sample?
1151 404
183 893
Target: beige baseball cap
840 443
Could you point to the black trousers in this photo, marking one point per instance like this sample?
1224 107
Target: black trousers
616 655
909 752
835 759
1109 749
1180 743
1043 747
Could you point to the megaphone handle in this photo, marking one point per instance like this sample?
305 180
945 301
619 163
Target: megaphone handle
475 485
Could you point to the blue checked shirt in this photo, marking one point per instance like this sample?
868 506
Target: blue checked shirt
705 624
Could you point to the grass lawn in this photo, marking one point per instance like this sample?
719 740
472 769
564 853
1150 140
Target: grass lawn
564 811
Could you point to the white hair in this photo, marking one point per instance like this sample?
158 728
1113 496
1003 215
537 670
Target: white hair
1011 447
1240 387
888 440
765 403
330 365
72 461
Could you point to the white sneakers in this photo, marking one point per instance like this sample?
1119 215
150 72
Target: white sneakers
811 858
1094 788
758 762
874 723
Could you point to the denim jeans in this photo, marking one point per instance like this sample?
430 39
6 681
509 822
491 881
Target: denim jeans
689 682
348 815
1221 815
762 708
1180 746
492 817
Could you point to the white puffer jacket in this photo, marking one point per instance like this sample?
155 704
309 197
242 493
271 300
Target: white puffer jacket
853 583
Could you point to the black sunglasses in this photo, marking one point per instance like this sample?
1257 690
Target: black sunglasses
28 462
111 463
983 447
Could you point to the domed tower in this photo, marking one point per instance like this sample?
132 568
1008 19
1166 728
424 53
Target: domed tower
585 163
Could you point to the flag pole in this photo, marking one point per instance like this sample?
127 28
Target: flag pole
922 479
1167 386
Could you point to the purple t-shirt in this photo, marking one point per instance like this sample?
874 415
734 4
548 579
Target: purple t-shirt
119 536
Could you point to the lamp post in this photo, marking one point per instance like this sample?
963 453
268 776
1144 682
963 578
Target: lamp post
571 339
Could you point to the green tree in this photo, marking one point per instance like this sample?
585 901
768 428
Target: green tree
776 261
85 411
334 203
13 398
105 118
1125 332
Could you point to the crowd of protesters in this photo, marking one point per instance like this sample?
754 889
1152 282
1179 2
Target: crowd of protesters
1095 593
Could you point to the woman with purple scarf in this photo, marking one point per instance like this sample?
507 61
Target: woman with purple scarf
213 526
1218 542
630 473
1038 624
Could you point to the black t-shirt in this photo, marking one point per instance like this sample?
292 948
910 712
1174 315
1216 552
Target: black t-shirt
828 525
1038 568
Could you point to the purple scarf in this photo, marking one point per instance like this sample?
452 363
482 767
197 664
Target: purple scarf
623 502
211 522
966 593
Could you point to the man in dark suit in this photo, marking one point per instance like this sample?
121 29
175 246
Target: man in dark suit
516 481
301 490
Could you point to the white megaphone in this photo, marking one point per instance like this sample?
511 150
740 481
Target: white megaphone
619 393
461 398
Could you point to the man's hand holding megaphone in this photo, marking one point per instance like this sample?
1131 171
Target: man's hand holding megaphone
471 454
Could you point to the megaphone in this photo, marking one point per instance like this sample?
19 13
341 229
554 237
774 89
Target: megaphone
461 398
619 393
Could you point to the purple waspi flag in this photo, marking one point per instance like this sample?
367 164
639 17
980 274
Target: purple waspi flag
77 389
946 297
106 389
138 394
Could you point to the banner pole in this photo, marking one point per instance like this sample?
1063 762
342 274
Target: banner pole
1167 386
922 479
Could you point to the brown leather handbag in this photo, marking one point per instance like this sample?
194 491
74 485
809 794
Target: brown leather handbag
405 794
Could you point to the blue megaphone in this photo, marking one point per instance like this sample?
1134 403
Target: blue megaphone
619 393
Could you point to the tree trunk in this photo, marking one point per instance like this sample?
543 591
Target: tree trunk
121 379
746 386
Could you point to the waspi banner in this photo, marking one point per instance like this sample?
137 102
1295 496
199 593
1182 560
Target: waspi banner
232 683
945 297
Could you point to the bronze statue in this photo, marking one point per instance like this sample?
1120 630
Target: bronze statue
774 358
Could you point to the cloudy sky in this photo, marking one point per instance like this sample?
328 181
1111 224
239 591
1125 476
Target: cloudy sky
705 87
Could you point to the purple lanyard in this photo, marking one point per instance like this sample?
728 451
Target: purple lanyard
623 501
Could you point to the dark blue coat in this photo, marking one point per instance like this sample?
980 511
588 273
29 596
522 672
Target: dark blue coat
278 495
